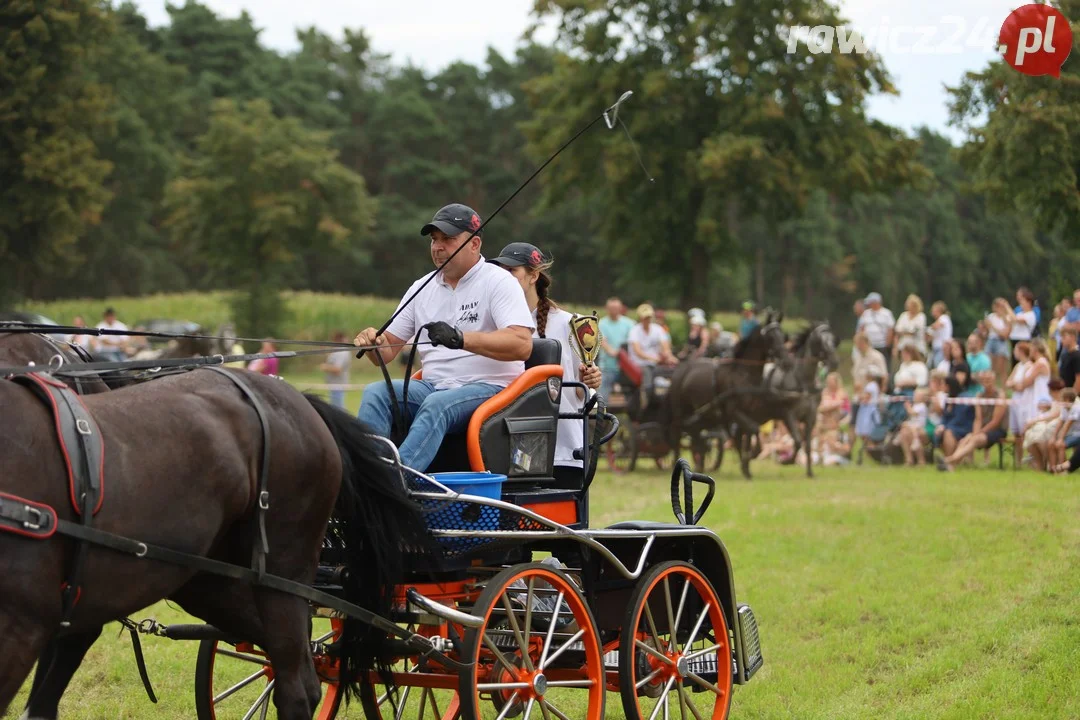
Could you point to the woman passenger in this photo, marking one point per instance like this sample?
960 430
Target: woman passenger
529 265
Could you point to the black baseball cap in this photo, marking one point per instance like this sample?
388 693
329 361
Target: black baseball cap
453 219
518 254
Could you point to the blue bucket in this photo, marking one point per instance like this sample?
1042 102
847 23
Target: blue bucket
460 515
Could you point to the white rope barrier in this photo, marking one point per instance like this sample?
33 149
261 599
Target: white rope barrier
966 401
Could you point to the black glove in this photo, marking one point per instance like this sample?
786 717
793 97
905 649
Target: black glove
441 333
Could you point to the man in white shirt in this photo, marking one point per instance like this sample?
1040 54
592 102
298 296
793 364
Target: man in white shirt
111 347
877 324
648 347
480 328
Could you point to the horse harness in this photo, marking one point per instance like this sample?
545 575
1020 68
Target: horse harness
83 449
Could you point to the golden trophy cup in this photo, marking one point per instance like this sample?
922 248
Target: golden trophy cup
585 337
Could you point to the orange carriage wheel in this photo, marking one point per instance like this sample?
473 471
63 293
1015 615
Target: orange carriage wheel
418 702
685 673
237 681
537 654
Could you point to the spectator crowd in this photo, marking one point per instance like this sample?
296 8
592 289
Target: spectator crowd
922 390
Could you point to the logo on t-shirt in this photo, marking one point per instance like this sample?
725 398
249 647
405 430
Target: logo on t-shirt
469 313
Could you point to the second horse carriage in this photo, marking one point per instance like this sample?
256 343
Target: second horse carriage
645 430
526 610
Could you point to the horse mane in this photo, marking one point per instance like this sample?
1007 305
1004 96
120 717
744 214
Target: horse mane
743 345
801 339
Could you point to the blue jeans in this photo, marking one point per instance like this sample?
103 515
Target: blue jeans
337 398
431 415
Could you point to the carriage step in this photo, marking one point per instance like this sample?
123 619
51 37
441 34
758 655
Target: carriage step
751 640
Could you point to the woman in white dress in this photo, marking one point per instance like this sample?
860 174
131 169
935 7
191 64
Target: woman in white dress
1037 378
910 326
1019 403
529 265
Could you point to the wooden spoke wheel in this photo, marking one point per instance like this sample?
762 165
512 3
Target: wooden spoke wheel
682 673
234 682
537 654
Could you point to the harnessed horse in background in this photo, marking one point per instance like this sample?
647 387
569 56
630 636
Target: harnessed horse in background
793 393
708 393
271 463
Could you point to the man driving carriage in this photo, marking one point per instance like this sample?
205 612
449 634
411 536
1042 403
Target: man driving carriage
480 328
649 350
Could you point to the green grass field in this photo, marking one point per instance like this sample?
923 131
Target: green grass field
880 593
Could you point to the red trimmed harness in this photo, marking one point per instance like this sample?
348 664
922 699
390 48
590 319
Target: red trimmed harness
83 450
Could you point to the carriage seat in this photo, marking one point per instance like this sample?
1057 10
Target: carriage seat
513 432
545 351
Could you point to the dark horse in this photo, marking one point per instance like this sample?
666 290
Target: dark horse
182 459
793 392
705 393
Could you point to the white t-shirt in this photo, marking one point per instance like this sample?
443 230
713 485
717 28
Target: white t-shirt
487 299
941 334
913 327
111 342
650 342
570 434
876 325
912 371
917 416
997 325
1022 330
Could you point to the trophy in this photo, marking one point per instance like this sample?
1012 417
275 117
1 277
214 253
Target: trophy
585 337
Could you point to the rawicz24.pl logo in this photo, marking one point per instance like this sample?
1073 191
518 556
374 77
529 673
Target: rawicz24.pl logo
1034 39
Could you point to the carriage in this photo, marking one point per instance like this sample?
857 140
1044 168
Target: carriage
536 637
644 431
526 610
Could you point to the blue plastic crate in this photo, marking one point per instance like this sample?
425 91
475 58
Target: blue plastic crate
461 515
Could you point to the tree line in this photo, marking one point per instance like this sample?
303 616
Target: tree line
138 159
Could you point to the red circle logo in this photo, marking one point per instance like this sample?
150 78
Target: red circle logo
1036 40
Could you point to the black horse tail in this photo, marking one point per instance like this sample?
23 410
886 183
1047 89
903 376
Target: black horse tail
375 520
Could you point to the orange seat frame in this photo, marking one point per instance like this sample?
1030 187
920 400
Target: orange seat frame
536 375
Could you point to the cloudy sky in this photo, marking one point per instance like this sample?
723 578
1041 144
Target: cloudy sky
925 44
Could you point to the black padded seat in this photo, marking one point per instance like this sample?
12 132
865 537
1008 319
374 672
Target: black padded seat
545 351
